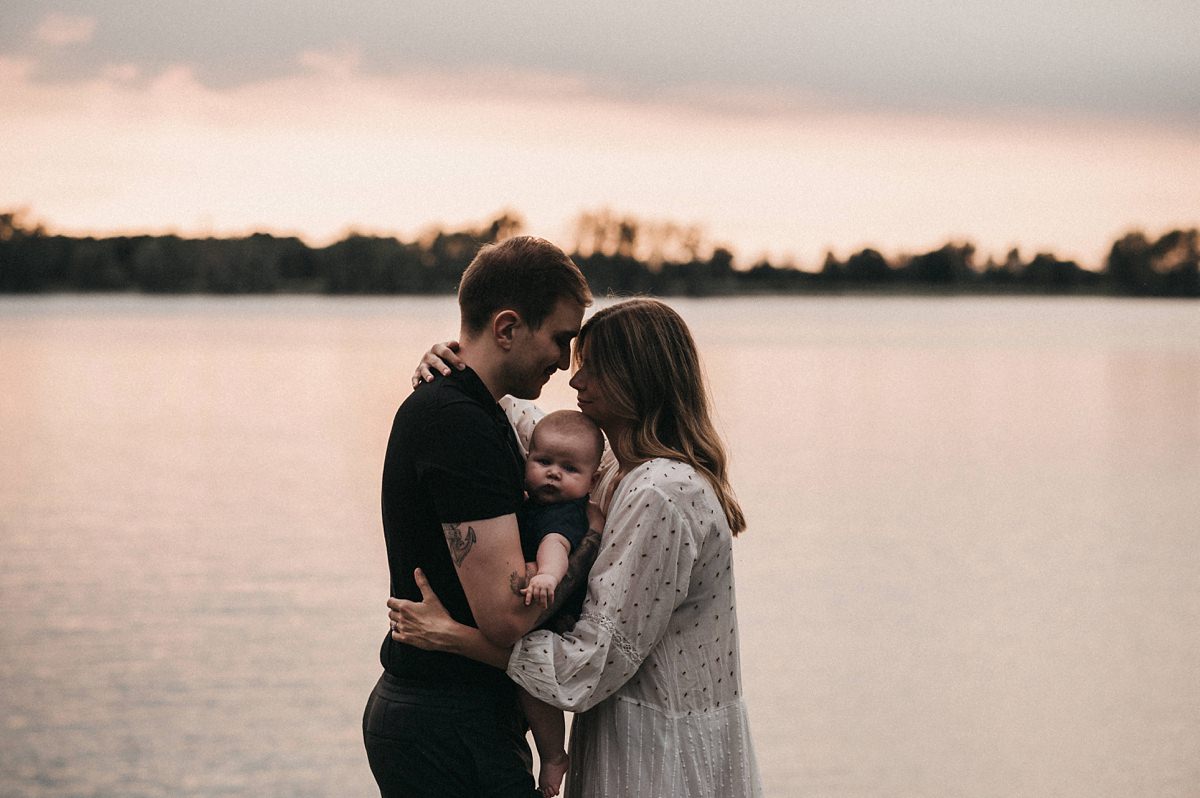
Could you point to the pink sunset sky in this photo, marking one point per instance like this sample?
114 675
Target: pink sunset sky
782 129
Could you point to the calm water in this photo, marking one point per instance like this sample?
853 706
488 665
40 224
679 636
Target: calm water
973 567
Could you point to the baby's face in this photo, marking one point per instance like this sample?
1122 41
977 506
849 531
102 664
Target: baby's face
560 468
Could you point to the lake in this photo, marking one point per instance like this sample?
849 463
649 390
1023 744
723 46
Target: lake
972 566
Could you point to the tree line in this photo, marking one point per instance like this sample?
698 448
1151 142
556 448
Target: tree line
618 254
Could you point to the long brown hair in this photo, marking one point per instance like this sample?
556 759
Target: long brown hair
643 357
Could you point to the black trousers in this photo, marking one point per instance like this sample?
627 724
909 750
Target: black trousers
446 742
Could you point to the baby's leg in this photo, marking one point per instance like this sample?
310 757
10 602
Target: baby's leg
549 734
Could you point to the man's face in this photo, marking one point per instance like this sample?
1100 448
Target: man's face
537 354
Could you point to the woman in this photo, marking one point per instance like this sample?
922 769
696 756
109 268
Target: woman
651 667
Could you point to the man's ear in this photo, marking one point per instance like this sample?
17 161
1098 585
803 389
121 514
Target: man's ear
504 328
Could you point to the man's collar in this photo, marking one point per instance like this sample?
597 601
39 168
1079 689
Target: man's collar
473 386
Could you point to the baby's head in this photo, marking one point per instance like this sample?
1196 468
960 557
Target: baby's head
564 457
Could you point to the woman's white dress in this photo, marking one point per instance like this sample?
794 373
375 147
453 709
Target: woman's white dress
652 666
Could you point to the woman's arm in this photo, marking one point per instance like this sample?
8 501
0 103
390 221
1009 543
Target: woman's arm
641 577
523 416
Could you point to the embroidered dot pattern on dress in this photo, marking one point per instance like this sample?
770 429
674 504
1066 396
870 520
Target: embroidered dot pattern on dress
652 666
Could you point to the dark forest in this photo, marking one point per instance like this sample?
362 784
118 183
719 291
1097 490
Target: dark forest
619 255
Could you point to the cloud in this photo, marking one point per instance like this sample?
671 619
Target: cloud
342 63
120 73
333 145
1120 59
60 29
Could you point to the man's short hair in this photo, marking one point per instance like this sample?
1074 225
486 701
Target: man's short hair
526 274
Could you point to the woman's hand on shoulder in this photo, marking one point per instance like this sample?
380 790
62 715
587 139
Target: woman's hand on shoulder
440 358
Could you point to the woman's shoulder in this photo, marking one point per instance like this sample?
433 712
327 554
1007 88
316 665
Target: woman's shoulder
663 489
672 480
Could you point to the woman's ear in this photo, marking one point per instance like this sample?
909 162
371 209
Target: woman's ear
504 328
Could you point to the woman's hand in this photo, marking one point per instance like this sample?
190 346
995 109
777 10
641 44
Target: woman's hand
595 517
440 357
425 623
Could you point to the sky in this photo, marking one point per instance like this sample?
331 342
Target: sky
782 129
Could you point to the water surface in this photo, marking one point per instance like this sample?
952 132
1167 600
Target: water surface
972 564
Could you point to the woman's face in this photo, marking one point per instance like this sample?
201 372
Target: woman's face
592 400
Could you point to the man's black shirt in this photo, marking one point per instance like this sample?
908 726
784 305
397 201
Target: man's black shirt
452 456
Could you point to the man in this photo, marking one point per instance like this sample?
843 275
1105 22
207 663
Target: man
436 723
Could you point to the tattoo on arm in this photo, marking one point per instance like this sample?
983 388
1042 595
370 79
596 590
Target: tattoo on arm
517 583
460 544
578 566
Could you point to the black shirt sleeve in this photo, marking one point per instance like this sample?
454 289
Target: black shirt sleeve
467 466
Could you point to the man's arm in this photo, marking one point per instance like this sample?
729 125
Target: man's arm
487 556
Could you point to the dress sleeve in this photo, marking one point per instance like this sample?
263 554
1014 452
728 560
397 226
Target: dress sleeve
524 416
638 580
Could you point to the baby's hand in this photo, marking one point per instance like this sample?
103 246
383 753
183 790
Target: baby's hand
541 589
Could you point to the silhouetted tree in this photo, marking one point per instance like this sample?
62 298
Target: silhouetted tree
1130 265
167 264
618 254
1051 275
504 226
27 262
1166 267
1176 259
368 265
867 266
832 270
617 274
96 265
950 265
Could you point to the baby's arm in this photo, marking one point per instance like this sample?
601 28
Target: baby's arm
552 556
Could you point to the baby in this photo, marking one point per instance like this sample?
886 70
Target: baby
562 467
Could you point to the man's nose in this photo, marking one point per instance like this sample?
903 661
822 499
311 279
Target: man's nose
564 359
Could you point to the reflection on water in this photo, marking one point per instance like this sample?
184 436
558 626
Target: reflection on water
971 568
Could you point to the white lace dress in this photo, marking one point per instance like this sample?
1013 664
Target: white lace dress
652 666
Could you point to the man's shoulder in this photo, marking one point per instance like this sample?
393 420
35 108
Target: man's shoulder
440 421
441 399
